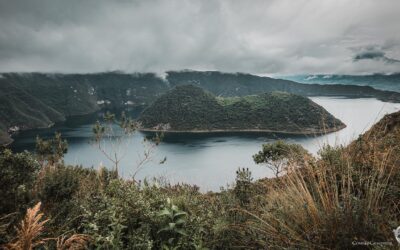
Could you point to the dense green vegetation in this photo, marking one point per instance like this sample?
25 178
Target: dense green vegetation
32 100
343 197
190 108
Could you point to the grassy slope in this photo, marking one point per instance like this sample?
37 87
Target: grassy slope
381 142
189 108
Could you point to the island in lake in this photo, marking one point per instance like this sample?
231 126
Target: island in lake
189 108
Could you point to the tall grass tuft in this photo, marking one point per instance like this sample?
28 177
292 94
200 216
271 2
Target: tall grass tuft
29 234
29 231
75 241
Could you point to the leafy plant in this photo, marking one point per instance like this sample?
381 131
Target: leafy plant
174 221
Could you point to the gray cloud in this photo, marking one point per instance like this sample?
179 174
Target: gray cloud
373 53
369 55
258 36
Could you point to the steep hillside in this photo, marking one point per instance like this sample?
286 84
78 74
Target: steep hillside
380 143
227 84
20 108
38 100
79 93
191 109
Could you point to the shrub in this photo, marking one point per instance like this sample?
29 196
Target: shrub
17 175
121 216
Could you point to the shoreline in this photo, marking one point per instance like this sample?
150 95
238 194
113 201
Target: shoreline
50 125
6 143
320 132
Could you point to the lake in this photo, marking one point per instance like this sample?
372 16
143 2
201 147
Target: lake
207 160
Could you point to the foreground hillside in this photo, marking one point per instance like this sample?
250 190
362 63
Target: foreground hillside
32 100
189 108
344 198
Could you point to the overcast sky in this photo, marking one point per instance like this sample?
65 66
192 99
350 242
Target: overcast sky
261 37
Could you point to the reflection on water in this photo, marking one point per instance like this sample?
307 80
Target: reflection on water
209 160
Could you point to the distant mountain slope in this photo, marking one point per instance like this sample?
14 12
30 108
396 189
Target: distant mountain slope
191 109
20 108
74 94
378 81
228 84
32 100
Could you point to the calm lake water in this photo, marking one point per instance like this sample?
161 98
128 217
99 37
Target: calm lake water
208 160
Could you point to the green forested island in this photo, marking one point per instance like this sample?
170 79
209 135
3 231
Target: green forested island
189 108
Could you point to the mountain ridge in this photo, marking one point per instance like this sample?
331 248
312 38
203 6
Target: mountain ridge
389 82
32 100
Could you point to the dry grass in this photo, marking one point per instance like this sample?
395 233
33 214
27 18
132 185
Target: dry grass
29 234
348 194
74 242
29 231
326 205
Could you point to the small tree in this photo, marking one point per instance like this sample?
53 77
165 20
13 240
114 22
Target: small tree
51 151
277 155
112 137
242 188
